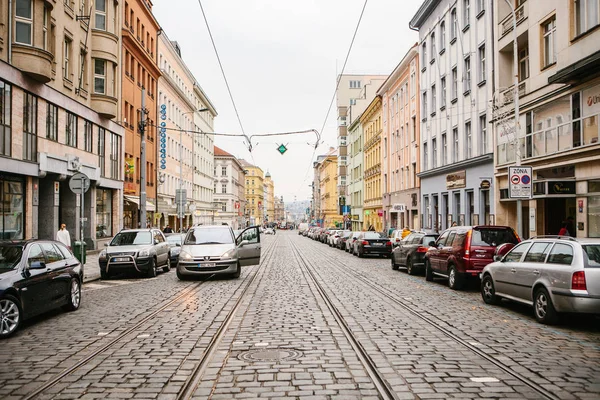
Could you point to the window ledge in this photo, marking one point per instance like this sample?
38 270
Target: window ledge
467 92
548 66
432 61
69 11
424 119
480 84
442 108
466 28
433 114
423 69
586 33
67 83
453 40
454 100
442 51
481 13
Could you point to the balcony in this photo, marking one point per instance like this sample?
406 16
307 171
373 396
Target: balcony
506 25
33 61
104 105
508 94
105 45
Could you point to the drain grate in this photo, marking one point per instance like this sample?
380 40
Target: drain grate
270 355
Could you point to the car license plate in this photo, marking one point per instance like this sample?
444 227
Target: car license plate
120 259
206 265
377 244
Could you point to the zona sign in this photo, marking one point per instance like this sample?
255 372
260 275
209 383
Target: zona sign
519 186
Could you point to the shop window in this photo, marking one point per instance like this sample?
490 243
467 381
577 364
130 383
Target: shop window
88 136
51 122
29 127
593 204
103 213
5 118
71 129
11 208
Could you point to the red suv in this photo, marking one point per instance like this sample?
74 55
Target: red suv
461 252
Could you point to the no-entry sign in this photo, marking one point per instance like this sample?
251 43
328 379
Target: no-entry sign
519 186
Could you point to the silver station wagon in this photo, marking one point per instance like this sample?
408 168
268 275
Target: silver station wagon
553 274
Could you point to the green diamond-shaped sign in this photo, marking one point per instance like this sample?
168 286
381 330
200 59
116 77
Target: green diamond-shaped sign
282 149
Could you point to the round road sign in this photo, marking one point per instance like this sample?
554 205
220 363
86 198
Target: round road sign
515 179
525 179
77 181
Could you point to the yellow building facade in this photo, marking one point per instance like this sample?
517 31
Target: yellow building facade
255 198
327 172
269 210
372 128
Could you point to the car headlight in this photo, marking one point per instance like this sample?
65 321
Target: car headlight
228 255
144 253
185 256
175 250
102 254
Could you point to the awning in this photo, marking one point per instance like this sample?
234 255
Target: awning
136 201
582 70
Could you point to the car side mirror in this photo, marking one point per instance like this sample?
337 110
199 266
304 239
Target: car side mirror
156 241
432 244
37 265
243 243
105 244
497 258
177 244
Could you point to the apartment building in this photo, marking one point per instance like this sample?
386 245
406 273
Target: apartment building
372 130
456 87
185 149
279 209
400 154
269 209
255 193
326 171
140 75
559 105
59 91
230 190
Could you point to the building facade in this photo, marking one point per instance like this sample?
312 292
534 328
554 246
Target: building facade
456 87
255 194
372 130
400 155
269 208
230 189
59 91
559 105
326 167
279 209
139 77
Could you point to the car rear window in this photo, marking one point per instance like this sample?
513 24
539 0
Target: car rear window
373 235
209 236
593 253
427 239
493 237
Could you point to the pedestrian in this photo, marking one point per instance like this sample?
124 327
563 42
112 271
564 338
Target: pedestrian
63 236
564 230
453 223
405 232
168 229
571 226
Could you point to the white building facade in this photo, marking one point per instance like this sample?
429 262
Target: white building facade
230 189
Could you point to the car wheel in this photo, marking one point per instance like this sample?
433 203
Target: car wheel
360 254
428 271
455 281
10 315
104 274
167 267
181 277
543 307
237 272
151 273
394 265
488 292
74 296
410 268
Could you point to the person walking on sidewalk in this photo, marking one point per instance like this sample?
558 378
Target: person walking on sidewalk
63 236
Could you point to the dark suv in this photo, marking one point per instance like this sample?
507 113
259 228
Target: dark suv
461 252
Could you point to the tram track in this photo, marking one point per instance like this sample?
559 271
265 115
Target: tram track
166 306
438 325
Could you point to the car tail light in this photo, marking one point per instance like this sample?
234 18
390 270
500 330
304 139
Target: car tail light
578 281
517 236
364 242
397 239
388 244
421 249
468 244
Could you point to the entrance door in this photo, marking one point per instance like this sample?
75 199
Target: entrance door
557 210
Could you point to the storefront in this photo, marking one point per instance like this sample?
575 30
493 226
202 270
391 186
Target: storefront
104 214
12 215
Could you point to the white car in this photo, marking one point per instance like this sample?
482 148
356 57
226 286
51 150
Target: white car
269 231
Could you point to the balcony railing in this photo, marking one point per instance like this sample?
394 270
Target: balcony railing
507 23
508 94
571 135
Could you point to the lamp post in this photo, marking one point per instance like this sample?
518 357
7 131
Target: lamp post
516 99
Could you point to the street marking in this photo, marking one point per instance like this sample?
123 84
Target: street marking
485 379
143 336
263 344
102 333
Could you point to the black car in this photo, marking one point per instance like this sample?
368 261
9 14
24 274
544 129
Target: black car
341 243
372 243
410 252
36 276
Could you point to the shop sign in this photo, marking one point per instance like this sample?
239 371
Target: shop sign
456 180
355 217
561 187
380 213
129 166
485 184
591 101
162 150
399 207
367 212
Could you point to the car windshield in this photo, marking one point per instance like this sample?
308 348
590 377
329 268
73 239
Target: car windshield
493 237
593 254
429 238
10 257
209 236
175 239
347 234
132 238
373 235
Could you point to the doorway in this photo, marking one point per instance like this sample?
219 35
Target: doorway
557 210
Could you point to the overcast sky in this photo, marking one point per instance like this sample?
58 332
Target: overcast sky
281 58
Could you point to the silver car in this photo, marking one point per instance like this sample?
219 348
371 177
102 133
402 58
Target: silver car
553 274
209 250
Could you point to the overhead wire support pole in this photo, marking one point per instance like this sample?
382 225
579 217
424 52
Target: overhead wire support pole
142 128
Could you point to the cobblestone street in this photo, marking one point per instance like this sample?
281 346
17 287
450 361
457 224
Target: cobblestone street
310 322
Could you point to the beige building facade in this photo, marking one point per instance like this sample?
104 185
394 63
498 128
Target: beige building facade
371 120
59 85
255 194
230 190
269 209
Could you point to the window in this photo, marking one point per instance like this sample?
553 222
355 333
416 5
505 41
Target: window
549 51
224 188
354 84
67 59
467 81
443 92
453 25
45 42
434 152
5 118
24 22
586 15
516 253
115 157
483 139
444 149
423 54
87 135
537 253
425 156
523 64
442 36
224 207
482 63
433 46
466 13
454 145
101 151
433 99
103 213
99 76
454 83
223 171
29 127
469 141
424 105
561 254
12 202
71 130
480 6
412 84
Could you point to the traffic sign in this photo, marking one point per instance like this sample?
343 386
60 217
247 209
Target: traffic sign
78 182
519 186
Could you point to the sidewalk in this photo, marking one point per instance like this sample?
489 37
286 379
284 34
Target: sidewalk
91 270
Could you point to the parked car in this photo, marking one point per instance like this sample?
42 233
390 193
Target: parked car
175 241
333 237
553 274
461 252
372 243
350 242
269 231
36 276
209 250
410 252
341 243
140 250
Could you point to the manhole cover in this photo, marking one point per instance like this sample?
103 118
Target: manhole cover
270 355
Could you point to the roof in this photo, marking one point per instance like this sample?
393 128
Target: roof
245 163
219 152
268 175
423 13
